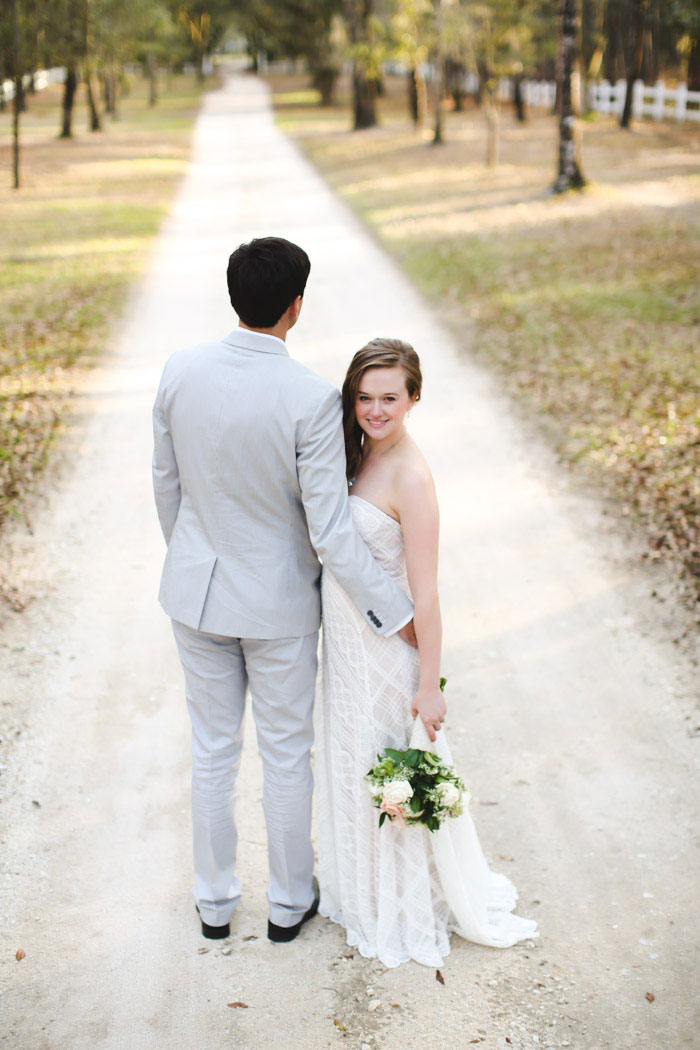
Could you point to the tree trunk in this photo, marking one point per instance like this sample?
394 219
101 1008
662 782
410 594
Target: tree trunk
635 70
17 101
113 88
694 65
324 81
655 47
106 99
413 94
95 122
613 55
570 175
493 125
69 89
438 137
518 98
364 112
16 110
152 79
588 47
440 73
417 96
357 16
455 73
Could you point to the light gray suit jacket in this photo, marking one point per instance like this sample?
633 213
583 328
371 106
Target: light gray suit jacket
249 479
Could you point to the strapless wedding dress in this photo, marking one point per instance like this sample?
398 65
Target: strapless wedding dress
399 892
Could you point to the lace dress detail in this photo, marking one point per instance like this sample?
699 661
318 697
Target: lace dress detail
398 892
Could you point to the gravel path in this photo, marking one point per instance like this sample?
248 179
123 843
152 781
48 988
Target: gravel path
569 706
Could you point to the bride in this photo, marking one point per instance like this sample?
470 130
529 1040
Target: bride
399 892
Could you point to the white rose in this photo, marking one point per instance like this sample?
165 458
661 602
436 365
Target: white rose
449 795
397 793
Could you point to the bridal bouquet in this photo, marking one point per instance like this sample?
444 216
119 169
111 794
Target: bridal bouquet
416 787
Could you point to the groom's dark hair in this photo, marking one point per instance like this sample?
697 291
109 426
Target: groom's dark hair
264 277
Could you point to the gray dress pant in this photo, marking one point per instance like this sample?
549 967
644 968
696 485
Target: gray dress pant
281 674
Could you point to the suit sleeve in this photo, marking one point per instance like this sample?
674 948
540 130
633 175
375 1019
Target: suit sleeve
321 472
166 477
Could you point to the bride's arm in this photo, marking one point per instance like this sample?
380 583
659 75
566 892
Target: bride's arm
416 504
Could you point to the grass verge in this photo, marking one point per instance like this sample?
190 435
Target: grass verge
587 306
75 237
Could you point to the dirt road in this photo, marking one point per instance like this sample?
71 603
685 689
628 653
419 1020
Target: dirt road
569 708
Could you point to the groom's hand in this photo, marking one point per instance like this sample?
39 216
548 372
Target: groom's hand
408 633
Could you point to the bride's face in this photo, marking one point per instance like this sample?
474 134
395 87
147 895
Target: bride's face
382 402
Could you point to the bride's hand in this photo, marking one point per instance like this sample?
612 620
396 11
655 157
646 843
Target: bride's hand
430 705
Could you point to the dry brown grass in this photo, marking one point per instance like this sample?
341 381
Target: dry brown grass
587 306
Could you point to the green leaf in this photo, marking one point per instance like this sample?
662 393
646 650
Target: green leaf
415 803
382 818
397 756
412 757
443 683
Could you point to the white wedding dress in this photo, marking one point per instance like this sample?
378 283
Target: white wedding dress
399 892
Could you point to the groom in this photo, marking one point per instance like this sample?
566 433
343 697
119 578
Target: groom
249 479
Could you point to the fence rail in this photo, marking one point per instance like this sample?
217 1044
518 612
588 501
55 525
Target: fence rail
656 100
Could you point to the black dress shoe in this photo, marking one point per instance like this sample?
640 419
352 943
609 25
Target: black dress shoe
288 933
214 933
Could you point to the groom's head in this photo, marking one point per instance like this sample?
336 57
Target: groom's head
265 278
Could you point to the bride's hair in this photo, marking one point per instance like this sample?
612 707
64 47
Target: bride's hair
380 353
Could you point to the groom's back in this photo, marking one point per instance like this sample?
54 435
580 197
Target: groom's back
239 558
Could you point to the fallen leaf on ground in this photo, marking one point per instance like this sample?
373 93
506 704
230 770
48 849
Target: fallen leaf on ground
650 996
393 1004
439 977
339 1025
250 937
202 951
503 856
243 1006
20 954
35 803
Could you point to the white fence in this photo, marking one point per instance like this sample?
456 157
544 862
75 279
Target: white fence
656 101
42 79
535 93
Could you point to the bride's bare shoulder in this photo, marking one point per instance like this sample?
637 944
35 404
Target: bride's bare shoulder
413 479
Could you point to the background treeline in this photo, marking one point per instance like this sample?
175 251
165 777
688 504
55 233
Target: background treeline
616 39
437 42
95 39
